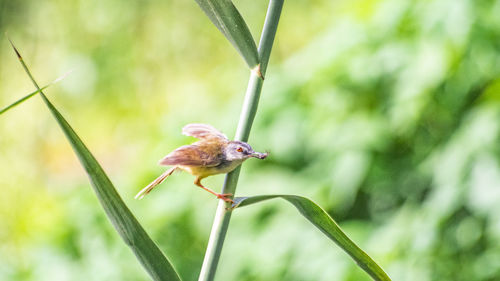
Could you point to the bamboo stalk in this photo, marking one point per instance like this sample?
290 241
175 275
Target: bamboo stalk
252 95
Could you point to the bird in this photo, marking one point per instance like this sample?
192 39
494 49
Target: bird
213 154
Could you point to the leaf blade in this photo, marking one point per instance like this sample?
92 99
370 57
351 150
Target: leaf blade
229 21
21 100
127 226
326 224
146 251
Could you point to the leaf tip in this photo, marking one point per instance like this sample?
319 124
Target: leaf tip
59 79
14 47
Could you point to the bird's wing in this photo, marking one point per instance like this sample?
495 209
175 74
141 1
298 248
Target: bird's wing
190 155
202 131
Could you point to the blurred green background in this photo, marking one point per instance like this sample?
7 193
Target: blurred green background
386 113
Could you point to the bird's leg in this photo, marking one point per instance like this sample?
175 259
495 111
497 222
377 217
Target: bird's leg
224 196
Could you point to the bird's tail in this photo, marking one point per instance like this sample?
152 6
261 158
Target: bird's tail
156 182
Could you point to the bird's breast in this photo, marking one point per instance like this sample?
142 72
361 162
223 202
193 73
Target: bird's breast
203 171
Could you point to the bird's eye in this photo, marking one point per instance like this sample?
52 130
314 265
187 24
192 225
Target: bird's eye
239 149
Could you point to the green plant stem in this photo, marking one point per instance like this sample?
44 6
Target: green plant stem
223 214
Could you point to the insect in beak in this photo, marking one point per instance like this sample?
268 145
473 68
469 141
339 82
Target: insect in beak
259 155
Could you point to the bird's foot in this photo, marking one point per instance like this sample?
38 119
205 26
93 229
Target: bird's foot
224 196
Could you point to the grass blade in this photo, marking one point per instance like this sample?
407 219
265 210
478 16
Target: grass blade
127 226
229 21
19 101
317 216
14 104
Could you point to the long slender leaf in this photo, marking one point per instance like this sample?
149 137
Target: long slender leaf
19 101
146 251
229 21
317 216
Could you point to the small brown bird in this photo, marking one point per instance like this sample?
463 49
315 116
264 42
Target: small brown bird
213 154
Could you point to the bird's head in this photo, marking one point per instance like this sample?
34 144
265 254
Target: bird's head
238 150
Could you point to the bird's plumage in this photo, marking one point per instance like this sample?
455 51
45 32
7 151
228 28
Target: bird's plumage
202 131
213 154
154 183
197 154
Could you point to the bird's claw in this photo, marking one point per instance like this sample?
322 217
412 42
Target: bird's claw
225 196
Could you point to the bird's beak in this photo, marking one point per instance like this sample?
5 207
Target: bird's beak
259 155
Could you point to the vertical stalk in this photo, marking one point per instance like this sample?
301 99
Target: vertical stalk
252 95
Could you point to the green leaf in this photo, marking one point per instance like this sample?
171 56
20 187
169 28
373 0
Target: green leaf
146 251
5 109
228 20
317 216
